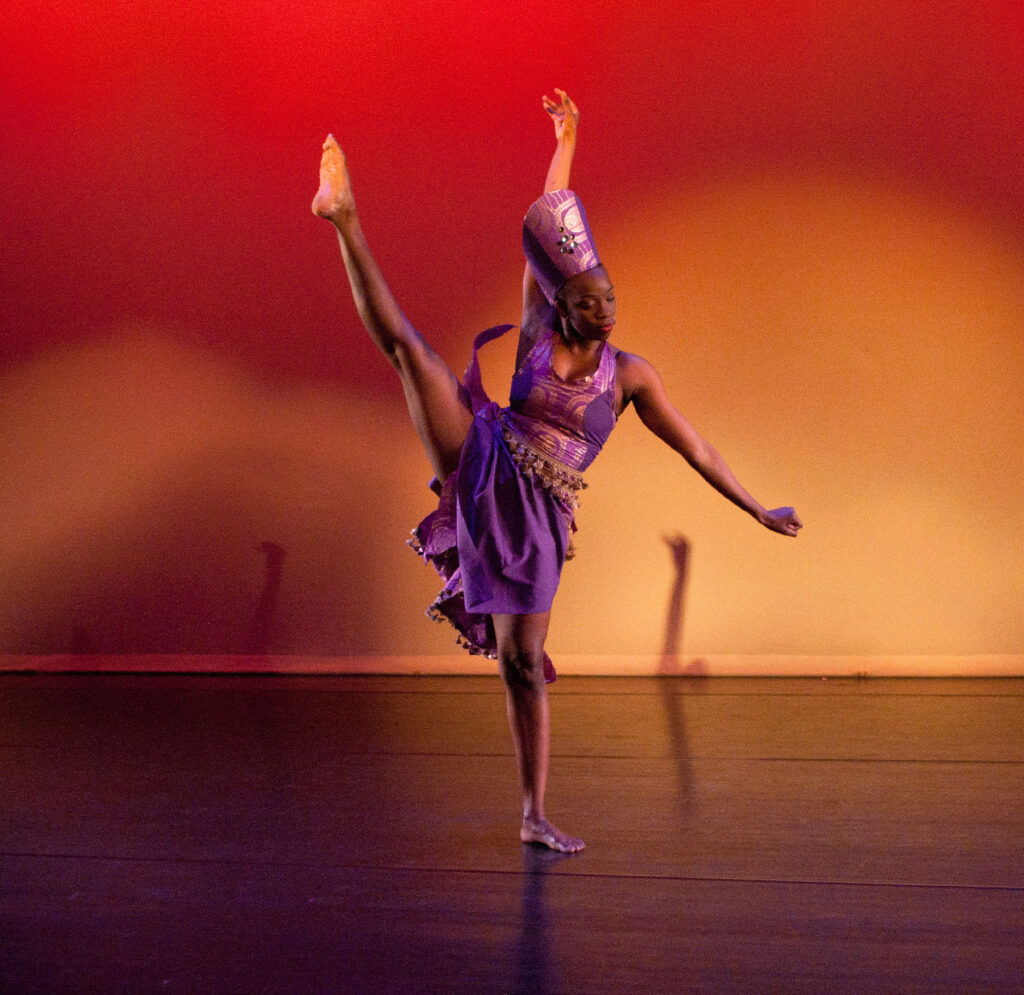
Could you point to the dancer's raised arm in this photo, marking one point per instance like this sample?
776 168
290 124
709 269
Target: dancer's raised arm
642 387
565 116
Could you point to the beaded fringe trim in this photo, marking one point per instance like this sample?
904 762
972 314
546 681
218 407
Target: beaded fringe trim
414 542
564 483
436 615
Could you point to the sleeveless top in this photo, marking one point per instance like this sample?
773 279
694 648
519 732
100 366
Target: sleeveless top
565 421
553 428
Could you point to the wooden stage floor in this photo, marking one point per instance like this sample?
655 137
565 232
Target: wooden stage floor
358 834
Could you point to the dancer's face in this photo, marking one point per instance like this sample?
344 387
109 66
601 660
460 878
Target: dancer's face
587 302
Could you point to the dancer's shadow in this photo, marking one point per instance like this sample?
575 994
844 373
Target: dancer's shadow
261 629
674 674
534 972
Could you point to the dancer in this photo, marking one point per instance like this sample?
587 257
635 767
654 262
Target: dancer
507 478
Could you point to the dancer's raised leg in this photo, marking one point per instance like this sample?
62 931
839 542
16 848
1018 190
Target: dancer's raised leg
435 397
521 658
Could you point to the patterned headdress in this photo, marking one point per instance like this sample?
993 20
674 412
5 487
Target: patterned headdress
557 240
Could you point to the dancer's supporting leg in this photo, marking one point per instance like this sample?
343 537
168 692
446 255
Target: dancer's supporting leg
521 657
438 408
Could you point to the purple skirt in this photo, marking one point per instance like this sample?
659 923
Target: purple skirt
498 539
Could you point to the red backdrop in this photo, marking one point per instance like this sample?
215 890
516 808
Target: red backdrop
158 156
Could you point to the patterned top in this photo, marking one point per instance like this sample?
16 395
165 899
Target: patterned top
566 421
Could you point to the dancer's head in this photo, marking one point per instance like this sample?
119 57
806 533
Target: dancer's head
557 241
586 304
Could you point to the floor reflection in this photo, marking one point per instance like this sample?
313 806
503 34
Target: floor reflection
535 972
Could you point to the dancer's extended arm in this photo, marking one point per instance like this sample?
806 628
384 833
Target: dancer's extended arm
642 387
377 307
536 309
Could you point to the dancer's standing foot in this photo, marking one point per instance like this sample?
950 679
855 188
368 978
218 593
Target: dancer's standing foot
541 831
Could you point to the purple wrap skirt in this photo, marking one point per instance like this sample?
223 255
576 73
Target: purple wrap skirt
498 538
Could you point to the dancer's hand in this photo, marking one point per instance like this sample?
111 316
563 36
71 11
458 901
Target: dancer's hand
782 520
334 199
565 115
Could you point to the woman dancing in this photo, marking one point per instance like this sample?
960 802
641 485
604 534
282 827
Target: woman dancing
507 477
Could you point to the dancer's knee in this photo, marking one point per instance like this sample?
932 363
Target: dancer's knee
521 669
405 354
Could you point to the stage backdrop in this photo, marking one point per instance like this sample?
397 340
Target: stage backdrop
813 213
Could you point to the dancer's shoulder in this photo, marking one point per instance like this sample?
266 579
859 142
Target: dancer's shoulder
631 365
634 374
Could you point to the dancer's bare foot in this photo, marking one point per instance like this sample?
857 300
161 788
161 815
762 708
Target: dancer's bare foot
541 831
334 198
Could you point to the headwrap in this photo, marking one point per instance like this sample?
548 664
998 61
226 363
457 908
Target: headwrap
557 240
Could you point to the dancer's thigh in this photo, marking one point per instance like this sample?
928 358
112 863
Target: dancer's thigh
437 404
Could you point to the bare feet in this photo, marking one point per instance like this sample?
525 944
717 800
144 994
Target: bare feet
541 831
334 198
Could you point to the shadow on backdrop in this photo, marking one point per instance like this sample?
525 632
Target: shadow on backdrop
258 642
671 669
